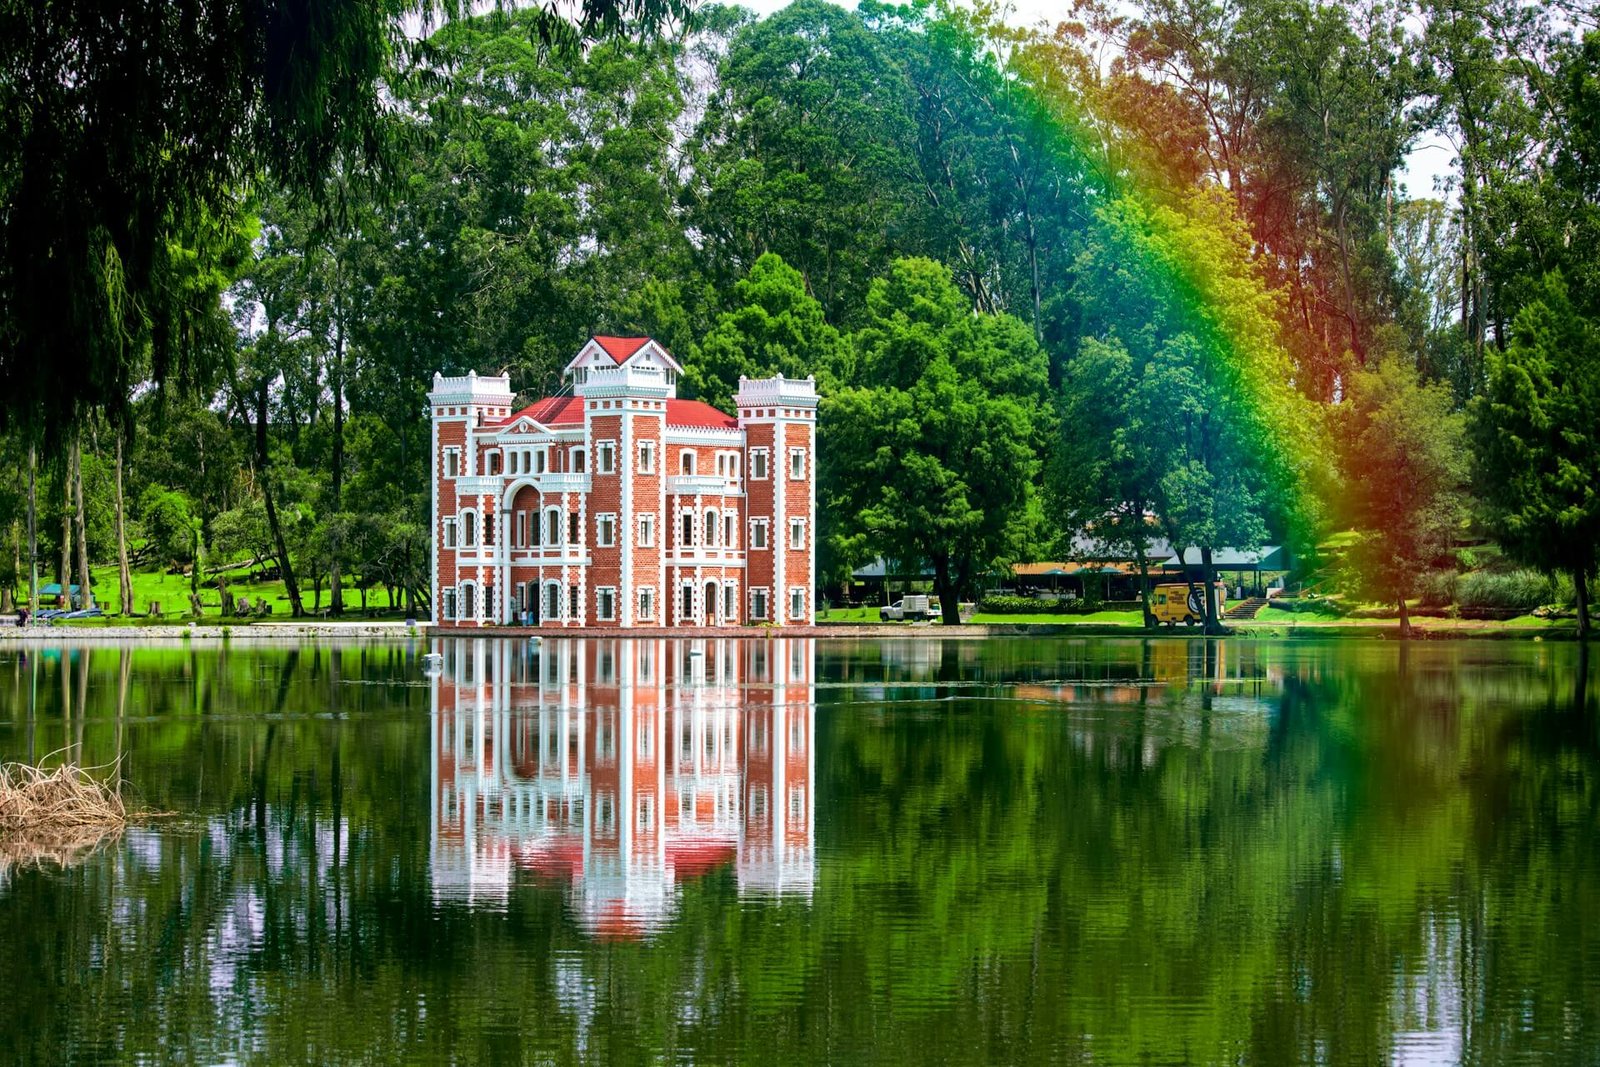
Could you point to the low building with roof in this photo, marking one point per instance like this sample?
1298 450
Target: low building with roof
619 504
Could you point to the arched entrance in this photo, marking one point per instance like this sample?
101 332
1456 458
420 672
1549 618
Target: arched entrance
711 603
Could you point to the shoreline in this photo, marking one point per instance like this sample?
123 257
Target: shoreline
1385 629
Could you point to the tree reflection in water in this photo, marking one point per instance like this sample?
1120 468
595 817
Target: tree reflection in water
1015 850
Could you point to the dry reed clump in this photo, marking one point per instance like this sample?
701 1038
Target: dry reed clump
54 816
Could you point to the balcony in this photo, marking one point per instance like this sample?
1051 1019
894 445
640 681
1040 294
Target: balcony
709 484
564 482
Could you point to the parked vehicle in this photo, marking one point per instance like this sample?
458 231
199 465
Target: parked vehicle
911 607
1172 604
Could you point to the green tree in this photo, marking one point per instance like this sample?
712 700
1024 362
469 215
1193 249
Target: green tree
1402 452
772 326
168 524
126 132
804 150
1538 440
933 448
1106 471
1229 444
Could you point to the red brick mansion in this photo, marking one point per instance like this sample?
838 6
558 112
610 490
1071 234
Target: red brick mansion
616 504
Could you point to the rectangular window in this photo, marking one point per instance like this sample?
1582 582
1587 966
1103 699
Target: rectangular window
797 464
758 533
573 603
730 535
647 530
797 603
797 533
605 530
687 539
647 603
450 533
758 464
519 534
647 457
572 528
447 603
452 463
758 604
605 603
540 459
730 603
605 457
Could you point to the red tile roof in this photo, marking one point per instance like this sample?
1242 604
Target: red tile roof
552 411
568 411
620 348
699 414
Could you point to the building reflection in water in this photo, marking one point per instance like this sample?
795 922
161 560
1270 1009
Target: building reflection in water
622 767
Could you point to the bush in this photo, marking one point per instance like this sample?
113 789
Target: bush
1319 605
1027 605
1523 590
1439 589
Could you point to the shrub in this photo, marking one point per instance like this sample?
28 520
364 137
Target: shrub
1026 605
1311 605
1439 589
1522 589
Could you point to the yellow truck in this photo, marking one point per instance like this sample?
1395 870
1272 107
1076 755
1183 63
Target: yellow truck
1172 604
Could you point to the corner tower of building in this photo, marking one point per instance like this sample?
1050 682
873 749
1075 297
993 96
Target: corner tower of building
779 419
464 494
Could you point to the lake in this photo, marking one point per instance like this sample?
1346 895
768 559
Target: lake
790 850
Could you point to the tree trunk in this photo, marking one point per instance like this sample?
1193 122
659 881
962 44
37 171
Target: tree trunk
263 463
33 530
949 596
124 576
1209 594
1580 584
64 562
1144 568
78 524
335 579
1405 620
8 600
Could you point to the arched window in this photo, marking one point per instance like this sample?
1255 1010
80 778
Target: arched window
469 529
552 526
579 461
686 462
711 526
469 601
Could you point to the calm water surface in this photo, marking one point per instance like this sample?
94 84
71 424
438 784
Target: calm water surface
899 851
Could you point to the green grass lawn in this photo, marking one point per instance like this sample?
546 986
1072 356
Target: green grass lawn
172 592
1116 618
849 615
1278 615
